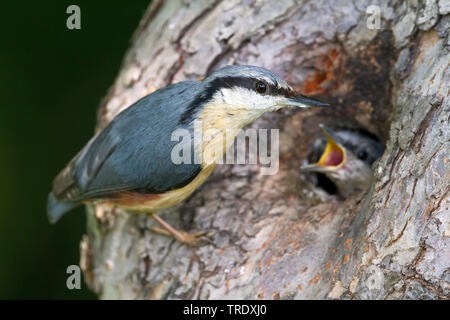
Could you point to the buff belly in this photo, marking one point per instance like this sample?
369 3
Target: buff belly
148 203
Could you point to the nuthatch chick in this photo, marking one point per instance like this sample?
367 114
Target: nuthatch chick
345 158
128 163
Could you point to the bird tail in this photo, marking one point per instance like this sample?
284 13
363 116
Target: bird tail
56 209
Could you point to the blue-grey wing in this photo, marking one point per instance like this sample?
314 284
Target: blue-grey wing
133 152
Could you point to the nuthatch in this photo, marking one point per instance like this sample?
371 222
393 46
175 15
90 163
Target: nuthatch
128 163
346 159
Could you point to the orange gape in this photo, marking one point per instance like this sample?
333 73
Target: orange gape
333 154
334 158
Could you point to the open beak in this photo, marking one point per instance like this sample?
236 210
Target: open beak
334 156
304 102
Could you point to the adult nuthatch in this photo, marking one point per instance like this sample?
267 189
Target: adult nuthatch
346 159
128 163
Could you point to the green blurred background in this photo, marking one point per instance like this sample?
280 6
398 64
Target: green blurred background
52 80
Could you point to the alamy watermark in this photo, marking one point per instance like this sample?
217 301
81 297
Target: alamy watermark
214 145
74 20
74 279
374 14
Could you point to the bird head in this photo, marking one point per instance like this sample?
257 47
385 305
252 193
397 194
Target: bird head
249 91
346 159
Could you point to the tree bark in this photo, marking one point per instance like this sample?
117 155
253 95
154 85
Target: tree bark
279 236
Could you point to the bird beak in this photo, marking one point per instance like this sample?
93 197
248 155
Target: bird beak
333 158
303 102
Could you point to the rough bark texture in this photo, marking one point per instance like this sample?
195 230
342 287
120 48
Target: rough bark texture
280 237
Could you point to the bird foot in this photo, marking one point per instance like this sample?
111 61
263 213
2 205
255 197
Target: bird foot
190 239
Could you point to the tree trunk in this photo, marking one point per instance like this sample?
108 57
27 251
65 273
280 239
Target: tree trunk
278 236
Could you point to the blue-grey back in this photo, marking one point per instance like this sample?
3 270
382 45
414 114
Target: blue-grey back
133 152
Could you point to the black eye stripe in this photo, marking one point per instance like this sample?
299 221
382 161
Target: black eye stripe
249 83
231 82
285 92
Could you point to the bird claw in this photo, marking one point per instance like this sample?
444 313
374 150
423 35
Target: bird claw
196 239
190 239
